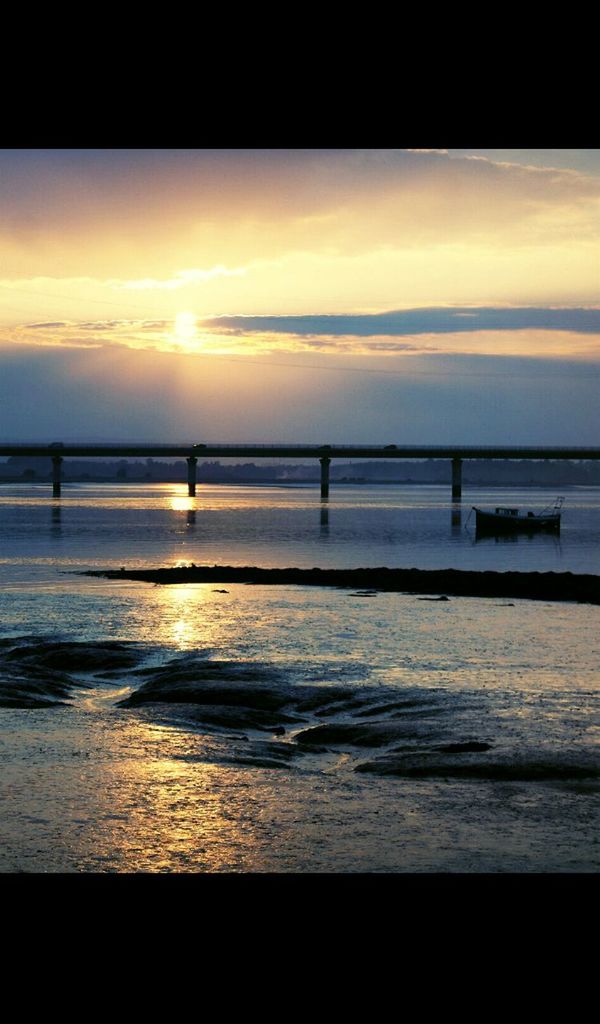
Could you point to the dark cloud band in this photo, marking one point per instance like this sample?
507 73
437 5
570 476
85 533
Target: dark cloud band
440 320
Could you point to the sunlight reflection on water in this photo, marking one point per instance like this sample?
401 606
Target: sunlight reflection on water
95 787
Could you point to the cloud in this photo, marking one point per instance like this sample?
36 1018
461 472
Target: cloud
43 326
410 322
558 333
181 278
135 215
101 325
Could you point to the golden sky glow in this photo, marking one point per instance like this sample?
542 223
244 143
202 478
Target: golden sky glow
167 250
287 232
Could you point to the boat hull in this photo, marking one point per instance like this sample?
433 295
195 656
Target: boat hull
493 523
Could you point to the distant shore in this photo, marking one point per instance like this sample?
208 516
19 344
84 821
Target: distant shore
548 586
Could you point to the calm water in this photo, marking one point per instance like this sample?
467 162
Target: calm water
400 684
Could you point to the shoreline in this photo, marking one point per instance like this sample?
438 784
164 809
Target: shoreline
548 586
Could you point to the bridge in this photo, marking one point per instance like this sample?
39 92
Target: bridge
57 451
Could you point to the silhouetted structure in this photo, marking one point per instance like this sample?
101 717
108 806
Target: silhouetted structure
511 520
456 454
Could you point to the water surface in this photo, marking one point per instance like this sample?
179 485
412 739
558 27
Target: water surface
399 683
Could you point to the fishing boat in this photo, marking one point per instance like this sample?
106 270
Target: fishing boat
512 520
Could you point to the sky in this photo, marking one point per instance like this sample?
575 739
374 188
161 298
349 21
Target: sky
309 296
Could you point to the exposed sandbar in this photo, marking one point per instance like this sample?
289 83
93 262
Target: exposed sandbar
546 586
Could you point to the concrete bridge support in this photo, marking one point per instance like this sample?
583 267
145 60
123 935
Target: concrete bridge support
56 475
191 464
325 462
456 479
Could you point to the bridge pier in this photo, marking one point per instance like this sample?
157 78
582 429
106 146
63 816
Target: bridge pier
456 517
191 464
456 479
325 462
56 475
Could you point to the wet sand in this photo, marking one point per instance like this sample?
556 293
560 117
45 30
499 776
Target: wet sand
125 757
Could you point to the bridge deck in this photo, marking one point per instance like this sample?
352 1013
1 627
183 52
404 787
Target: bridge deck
300 451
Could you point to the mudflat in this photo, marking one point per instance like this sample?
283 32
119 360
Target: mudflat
548 586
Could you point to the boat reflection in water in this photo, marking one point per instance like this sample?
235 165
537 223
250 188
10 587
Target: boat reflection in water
511 520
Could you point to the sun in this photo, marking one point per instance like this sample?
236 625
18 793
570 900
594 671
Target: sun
185 328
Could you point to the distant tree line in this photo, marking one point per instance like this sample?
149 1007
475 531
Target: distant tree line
484 472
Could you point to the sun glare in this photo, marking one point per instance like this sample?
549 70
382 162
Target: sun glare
185 328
